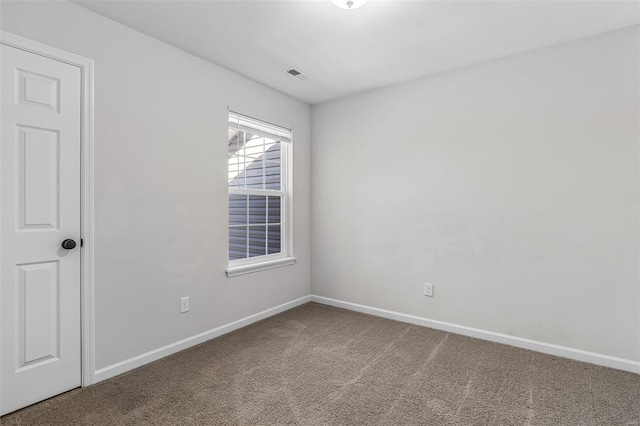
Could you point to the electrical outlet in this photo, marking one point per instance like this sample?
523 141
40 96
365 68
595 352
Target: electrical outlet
428 289
184 305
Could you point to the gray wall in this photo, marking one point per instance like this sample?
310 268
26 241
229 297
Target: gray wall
160 173
512 185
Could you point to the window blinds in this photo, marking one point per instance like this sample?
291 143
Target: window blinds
251 125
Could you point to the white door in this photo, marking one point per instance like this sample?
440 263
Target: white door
39 209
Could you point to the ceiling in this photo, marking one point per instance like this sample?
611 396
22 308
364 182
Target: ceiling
344 52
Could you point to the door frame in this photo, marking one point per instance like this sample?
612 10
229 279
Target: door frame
87 214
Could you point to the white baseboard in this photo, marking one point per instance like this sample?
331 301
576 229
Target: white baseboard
154 355
547 348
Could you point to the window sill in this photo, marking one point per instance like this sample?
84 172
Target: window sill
261 266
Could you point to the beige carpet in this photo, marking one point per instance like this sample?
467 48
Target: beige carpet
317 365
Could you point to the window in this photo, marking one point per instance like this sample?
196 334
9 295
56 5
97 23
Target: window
259 195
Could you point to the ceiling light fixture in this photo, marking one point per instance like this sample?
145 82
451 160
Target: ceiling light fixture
348 4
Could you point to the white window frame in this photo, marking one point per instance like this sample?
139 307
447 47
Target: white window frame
285 257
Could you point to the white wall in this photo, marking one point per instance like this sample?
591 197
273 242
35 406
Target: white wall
512 185
160 172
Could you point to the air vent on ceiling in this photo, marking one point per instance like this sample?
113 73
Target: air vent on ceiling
297 74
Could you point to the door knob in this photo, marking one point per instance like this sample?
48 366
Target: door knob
68 244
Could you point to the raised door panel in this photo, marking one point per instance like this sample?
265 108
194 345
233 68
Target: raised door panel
38 337
38 178
37 90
